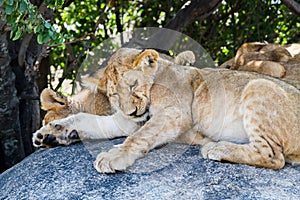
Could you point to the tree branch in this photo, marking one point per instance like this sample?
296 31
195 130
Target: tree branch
23 48
292 5
195 9
165 39
47 14
74 65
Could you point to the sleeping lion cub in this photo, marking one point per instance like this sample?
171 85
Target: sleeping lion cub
92 99
271 59
239 117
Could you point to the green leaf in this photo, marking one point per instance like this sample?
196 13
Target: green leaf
38 29
53 29
43 38
60 41
46 38
10 19
40 16
14 27
51 33
18 34
9 9
11 34
47 24
29 28
23 6
40 38
1 2
10 2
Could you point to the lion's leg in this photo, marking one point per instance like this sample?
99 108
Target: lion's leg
293 159
157 131
193 137
258 153
269 119
83 126
270 68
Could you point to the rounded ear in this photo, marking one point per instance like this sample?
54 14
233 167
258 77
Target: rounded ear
251 47
186 58
146 59
50 100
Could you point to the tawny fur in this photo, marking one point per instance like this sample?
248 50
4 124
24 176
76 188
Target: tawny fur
270 59
251 118
254 117
86 100
93 98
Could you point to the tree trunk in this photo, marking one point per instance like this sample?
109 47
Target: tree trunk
11 145
191 11
23 55
19 99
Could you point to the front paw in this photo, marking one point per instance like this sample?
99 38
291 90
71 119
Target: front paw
54 134
114 160
215 151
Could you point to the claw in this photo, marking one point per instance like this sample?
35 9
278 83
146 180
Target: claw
57 127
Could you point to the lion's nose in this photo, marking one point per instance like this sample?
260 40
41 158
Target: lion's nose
133 113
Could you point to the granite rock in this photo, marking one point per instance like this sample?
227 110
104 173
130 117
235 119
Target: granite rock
173 171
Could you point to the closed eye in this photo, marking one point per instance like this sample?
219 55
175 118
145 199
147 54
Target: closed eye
114 94
133 85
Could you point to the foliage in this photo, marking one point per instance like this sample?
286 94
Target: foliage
24 17
236 22
92 21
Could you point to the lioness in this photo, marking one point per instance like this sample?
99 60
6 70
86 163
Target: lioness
251 118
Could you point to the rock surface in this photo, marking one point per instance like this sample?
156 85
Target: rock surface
171 172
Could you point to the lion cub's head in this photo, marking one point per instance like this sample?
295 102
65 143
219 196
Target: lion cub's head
131 94
130 76
57 106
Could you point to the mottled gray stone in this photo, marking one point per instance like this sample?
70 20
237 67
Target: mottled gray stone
171 172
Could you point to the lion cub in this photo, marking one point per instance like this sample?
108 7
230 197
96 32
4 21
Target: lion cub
239 117
270 59
92 99
252 119
91 106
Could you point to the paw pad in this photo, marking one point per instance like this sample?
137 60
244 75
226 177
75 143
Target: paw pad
50 140
73 135
39 136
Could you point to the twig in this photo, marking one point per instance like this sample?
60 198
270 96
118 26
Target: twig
74 64
292 5
75 40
